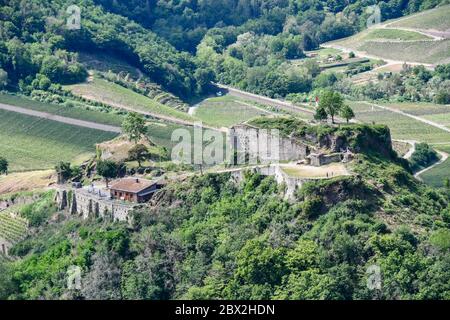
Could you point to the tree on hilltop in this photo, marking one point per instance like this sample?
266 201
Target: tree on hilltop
332 102
134 127
347 113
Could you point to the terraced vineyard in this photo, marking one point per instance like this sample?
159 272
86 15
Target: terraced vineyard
383 35
121 97
161 133
12 228
436 19
435 52
423 38
30 143
429 111
226 111
108 65
81 113
402 127
436 176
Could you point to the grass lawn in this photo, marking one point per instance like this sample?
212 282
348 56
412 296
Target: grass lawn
226 111
31 143
70 112
121 97
402 127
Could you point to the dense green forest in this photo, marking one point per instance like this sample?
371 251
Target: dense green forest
185 23
35 43
181 45
210 238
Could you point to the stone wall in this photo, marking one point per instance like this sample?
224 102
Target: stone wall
254 145
89 205
321 159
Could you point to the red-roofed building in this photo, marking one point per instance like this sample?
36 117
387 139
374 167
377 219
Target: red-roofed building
134 189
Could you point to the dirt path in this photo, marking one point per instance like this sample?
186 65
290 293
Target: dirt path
444 157
411 151
412 143
71 121
431 123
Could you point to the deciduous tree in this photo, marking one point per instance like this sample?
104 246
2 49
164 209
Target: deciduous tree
347 113
138 153
332 102
108 170
134 127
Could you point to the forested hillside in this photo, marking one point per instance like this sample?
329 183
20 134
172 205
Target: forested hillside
36 45
180 45
184 23
210 238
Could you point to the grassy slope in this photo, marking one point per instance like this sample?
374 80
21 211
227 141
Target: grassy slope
226 111
74 112
381 35
434 19
33 143
118 96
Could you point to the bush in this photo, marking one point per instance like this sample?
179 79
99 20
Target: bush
423 156
312 207
38 212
